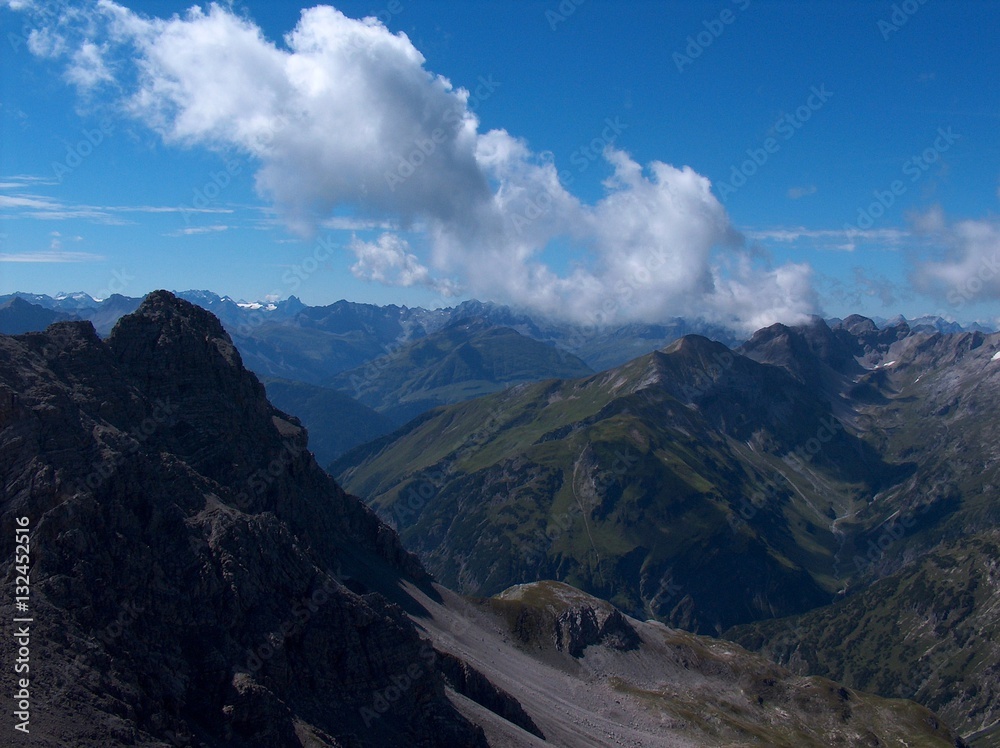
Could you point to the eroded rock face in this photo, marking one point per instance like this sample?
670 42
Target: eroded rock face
189 558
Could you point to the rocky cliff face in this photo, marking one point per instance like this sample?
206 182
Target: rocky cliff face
191 567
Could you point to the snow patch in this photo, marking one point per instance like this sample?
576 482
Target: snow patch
256 305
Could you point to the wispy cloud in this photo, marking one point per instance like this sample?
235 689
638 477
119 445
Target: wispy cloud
796 193
33 202
20 181
51 256
45 208
845 240
352 223
194 230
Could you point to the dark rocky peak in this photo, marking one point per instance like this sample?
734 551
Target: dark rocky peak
71 371
813 353
198 579
869 342
221 424
178 353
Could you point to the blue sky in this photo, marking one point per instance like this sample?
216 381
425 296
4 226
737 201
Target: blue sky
841 156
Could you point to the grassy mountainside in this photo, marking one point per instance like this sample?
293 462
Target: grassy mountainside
645 485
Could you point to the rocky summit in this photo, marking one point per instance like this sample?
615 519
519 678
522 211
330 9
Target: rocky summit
191 565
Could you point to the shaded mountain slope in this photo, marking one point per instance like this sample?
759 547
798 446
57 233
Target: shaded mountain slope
18 316
927 632
336 422
922 553
189 559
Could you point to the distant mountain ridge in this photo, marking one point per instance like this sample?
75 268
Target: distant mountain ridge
467 358
387 325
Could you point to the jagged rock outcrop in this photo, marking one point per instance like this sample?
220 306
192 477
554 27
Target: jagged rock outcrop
191 566
557 615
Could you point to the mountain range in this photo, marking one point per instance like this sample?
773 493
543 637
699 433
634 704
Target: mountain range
793 493
197 580
397 361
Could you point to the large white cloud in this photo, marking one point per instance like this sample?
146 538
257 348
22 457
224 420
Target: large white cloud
344 113
968 270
